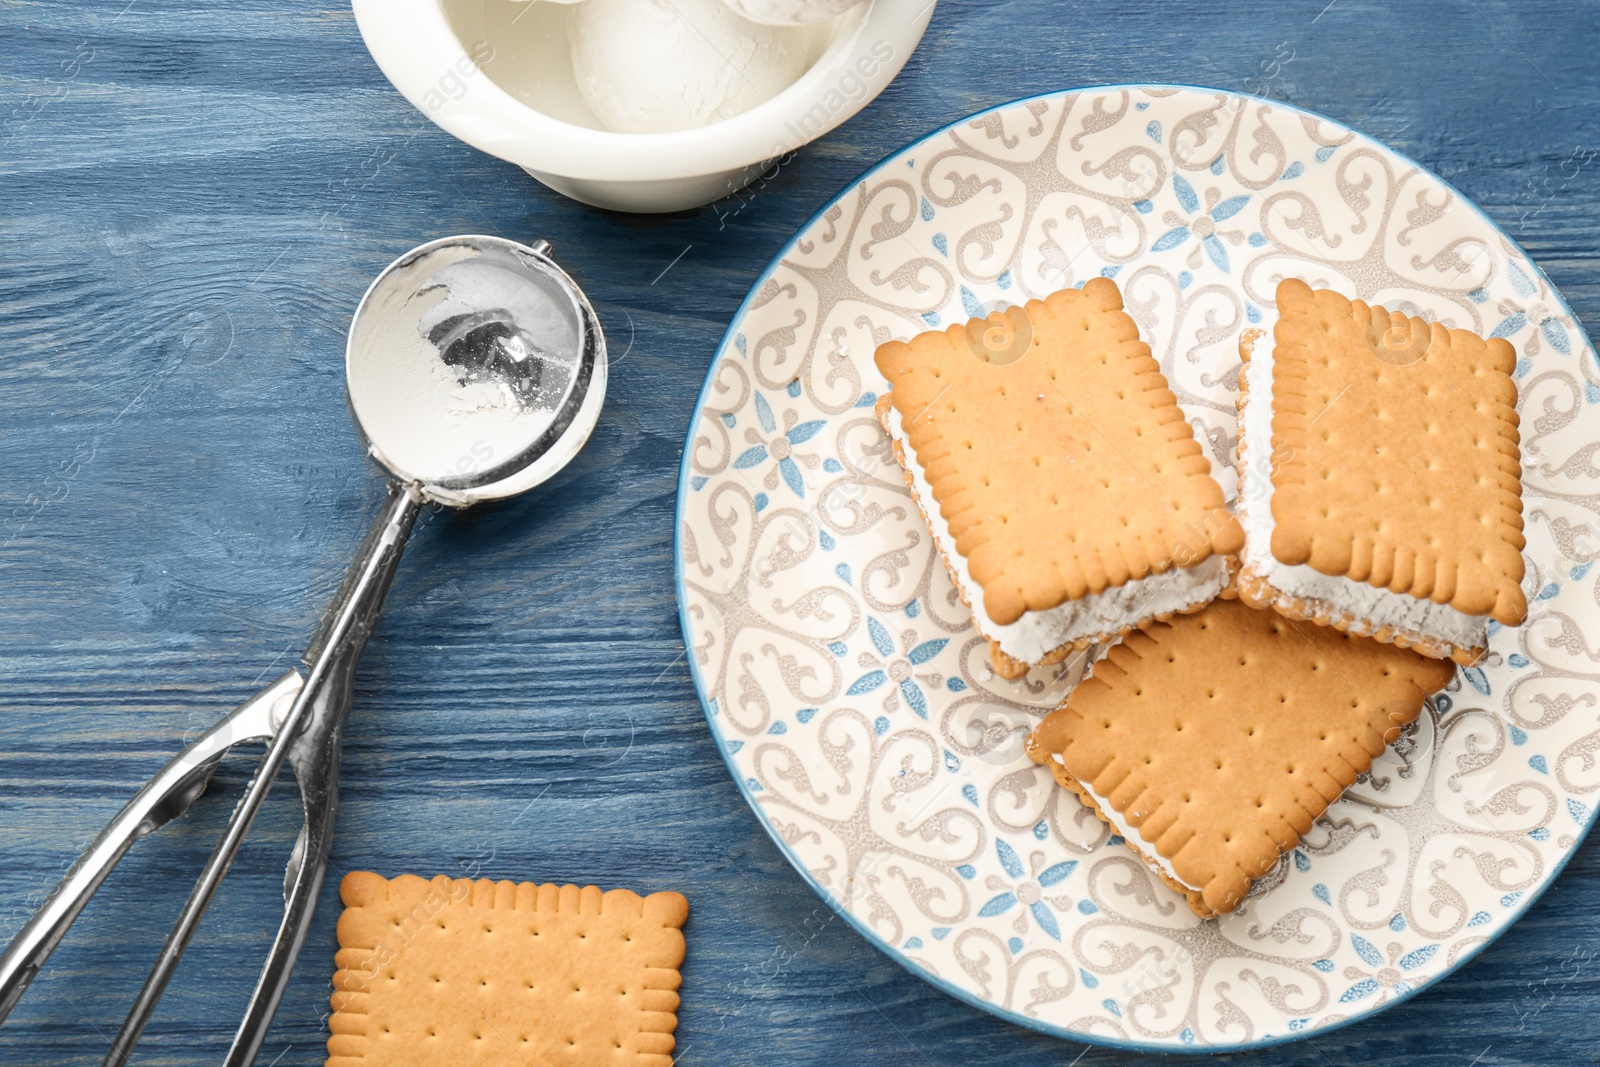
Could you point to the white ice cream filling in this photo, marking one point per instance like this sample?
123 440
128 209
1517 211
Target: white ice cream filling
1132 836
1037 633
1373 605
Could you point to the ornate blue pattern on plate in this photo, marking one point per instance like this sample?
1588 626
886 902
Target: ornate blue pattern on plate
854 703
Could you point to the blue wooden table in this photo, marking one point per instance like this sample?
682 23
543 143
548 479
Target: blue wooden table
193 197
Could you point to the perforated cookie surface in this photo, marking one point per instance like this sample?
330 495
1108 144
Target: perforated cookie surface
1222 735
1398 443
1063 472
460 973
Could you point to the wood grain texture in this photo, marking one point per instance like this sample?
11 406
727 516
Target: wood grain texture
192 199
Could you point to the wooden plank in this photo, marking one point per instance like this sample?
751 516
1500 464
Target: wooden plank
186 223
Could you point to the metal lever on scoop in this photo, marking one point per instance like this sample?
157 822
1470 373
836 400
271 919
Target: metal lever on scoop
163 798
308 740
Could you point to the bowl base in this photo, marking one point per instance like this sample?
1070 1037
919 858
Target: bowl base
652 197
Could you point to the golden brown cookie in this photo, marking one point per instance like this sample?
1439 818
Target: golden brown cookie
1062 470
1211 743
460 973
1395 463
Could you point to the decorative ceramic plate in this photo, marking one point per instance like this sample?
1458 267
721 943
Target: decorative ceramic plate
854 703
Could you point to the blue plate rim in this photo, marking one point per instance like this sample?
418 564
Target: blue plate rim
756 809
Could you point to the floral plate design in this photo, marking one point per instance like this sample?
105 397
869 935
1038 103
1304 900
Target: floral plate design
854 703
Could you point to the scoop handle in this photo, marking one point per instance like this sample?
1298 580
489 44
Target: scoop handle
326 696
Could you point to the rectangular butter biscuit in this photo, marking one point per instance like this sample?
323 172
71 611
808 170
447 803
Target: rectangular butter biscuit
1380 474
459 973
1211 743
1063 487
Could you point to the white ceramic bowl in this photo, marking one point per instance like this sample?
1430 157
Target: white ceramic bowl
496 74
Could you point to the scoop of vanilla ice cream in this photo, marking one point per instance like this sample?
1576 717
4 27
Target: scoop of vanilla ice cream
653 66
790 12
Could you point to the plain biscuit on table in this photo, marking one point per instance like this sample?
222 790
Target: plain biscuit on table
460 973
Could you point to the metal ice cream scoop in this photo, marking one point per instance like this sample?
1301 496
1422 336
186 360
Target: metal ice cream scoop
476 370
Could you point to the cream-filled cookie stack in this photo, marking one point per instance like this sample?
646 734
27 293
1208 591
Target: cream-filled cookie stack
1379 534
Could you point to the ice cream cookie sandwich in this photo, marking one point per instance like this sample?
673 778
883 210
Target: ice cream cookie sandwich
1062 484
1212 742
1380 474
